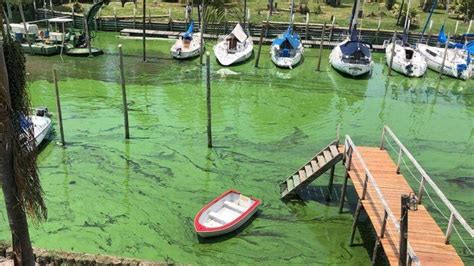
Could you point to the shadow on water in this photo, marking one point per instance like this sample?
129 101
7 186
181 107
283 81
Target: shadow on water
217 239
366 76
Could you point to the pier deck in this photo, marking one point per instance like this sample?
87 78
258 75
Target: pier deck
424 235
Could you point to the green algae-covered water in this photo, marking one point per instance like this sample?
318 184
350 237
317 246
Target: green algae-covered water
138 198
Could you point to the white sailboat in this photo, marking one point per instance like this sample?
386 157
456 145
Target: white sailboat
188 44
352 56
287 50
457 63
406 60
234 48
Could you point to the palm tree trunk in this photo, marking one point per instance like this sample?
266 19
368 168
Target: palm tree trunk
22 251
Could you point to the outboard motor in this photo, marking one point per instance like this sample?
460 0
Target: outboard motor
42 111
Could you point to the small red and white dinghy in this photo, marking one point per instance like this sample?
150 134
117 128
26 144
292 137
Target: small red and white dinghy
225 213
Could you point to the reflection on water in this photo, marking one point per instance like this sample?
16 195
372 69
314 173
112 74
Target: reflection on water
138 198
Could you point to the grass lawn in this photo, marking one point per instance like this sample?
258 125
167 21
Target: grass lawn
372 13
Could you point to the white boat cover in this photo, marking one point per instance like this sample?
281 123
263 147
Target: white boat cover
239 33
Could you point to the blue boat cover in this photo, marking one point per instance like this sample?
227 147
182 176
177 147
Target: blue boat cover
355 45
189 33
442 38
292 38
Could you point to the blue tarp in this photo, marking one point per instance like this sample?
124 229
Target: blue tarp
189 33
442 38
355 45
292 38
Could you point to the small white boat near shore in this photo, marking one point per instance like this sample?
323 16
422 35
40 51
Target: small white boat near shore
352 57
41 125
234 48
188 44
225 214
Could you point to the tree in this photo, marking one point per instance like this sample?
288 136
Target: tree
18 171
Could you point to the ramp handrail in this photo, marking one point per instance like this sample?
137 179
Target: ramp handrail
426 178
349 143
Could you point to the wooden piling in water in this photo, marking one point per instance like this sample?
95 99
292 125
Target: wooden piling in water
115 20
124 94
332 28
378 31
58 107
134 18
209 109
27 35
321 44
330 184
144 30
393 53
257 61
444 58
306 26
202 34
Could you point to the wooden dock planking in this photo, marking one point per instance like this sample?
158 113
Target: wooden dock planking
424 235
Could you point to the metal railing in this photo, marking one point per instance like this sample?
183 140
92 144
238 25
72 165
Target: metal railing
426 179
349 151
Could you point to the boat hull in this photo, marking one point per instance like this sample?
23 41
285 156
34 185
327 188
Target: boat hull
414 67
226 58
216 219
41 128
179 51
286 62
352 69
454 65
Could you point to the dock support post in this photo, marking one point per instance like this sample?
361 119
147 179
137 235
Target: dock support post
58 107
124 94
134 18
405 200
444 58
420 190
73 17
208 86
321 44
260 46
379 238
456 27
400 154
449 230
149 19
393 53
356 218
346 176
144 30
382 138
331 181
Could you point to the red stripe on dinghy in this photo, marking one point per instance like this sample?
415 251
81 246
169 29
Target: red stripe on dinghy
201 228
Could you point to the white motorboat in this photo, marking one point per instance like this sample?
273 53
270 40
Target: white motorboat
234 48
188 44
406 60
352 56
287 50
225 214
41 125
457 63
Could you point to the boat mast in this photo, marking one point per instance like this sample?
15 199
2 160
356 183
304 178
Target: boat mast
355 14
292 15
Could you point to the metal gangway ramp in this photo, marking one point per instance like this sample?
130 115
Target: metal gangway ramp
379 186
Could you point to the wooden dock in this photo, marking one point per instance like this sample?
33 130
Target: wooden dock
424 235
406 231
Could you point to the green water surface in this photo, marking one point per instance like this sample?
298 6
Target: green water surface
138 198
